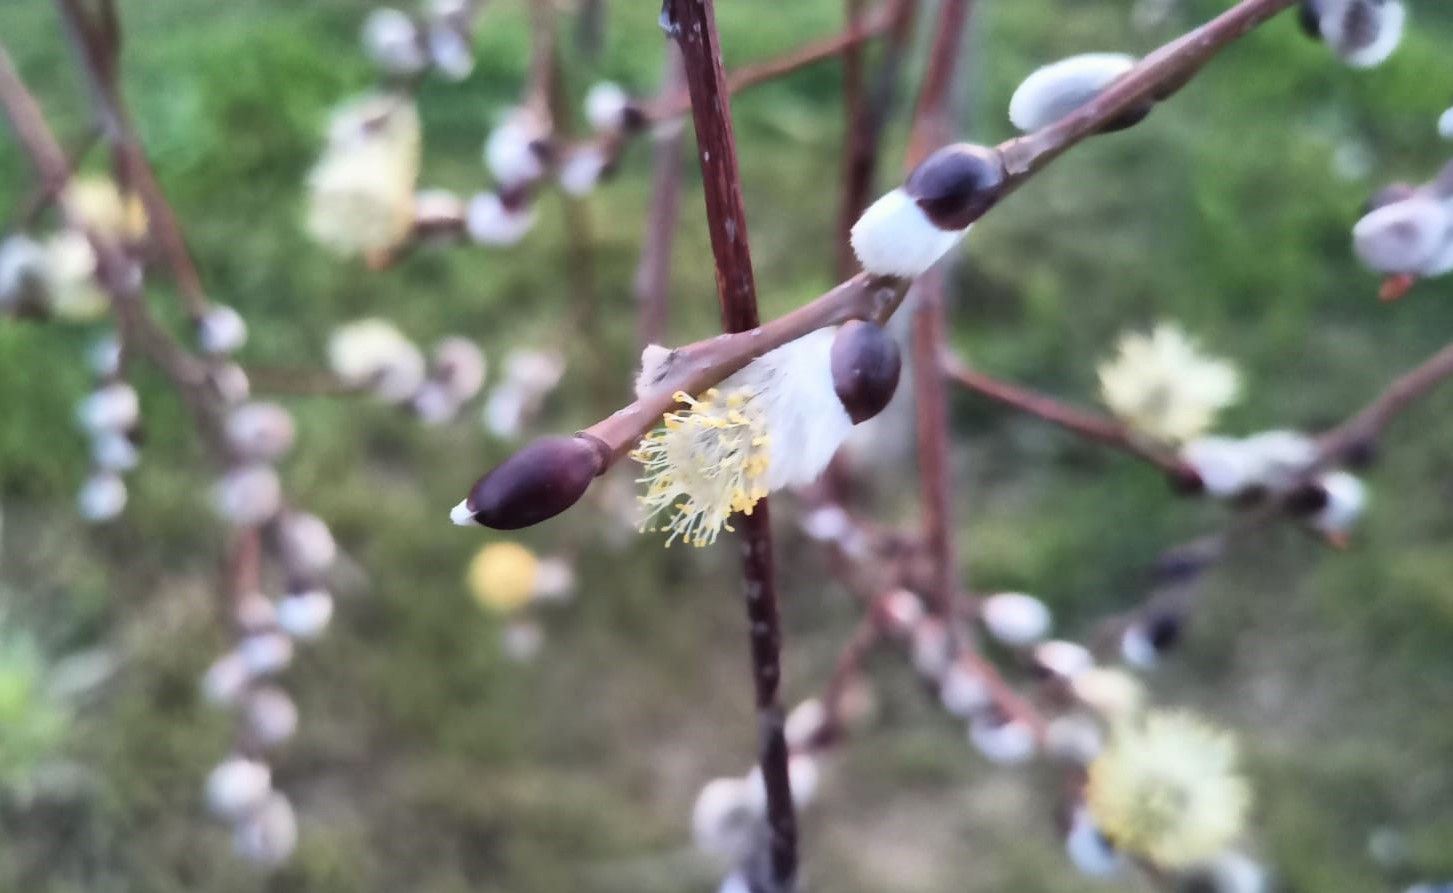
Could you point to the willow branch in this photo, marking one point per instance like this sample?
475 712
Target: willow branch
1083 424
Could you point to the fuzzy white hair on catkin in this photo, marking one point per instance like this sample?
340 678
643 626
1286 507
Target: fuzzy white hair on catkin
894 237
1341 21
792 388
1055 90
654 358
1410 236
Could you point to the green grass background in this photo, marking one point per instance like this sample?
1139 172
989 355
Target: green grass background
427 761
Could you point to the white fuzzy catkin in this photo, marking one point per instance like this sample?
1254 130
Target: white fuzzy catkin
237 786
226 680
229 382
509 151
894 237
930 648
305 615
221 330
1089 850
392 41
1362 33
114 452
1064 659
1445 124
102 497
459 365
306 542
254 613
1015 619
1057 89
963 692
723 823
1414 235
605 107
22 270
451 50
1136 648
373 353
265 653
260 431
489 222
1006 743
1278 458
112 408
1346 500
581 170
269 835
803 723
269 715
248 495
803 775
1225 466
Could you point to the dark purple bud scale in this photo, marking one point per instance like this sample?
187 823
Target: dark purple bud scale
957 184
1309 16
1307 500
1164 630
1129 118
538 482
865 368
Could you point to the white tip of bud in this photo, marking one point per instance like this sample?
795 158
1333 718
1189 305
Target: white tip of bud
1090 850
509 151
112 408
102 497
723 824
1004 742
221 330
803 775
270 715
581 170
605 107
1057 89
1408 236
305 615
1346 499
804 723
306 542
451 50
894 237
267 837
248 495
489 222
393 43
1015 619
114 452
963 692
226 680
930 647
1224 465
263 654
1363 33
1064 659
653 364
462 514
237 786
1445 124
260 431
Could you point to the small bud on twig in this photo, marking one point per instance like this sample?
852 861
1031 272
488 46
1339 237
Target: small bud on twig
538 482
865 368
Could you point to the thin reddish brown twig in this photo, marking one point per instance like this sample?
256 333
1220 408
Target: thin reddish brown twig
692 23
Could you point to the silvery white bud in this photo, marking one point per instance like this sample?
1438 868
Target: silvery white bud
1224 465
112 451
902 609
1074 738
1063 659
827 523
229 382
803 775
104 356
226 680
305 615
1346 499
254 613
221 330
605 107
536 371
510 151
804 723
248 495
392 41
111 408
459 366
306 542
723 823
433 404
1015 619
260 431
1005 742
581 170
1409 236
931 648
1362 33
451 50
102 497
489 222
237 786
1278 458
554 579
265 653
1057 89
522 640
22 272
268 836
270 715
504 411
894 237
962 691
1445 124
1089 849
1136 649
735 882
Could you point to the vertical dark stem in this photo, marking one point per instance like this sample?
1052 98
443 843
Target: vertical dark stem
692 23
931 129
653 276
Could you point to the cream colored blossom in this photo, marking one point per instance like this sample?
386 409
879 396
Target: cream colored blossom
103 208
1163 387
361 192
1167 789
705 463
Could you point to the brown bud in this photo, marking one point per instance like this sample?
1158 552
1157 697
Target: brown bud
865 367
957 184
538 482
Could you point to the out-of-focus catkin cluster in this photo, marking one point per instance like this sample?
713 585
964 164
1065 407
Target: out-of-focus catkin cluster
373 356
1406 233
507 579
361 191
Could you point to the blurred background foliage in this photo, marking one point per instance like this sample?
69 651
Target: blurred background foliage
428 761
